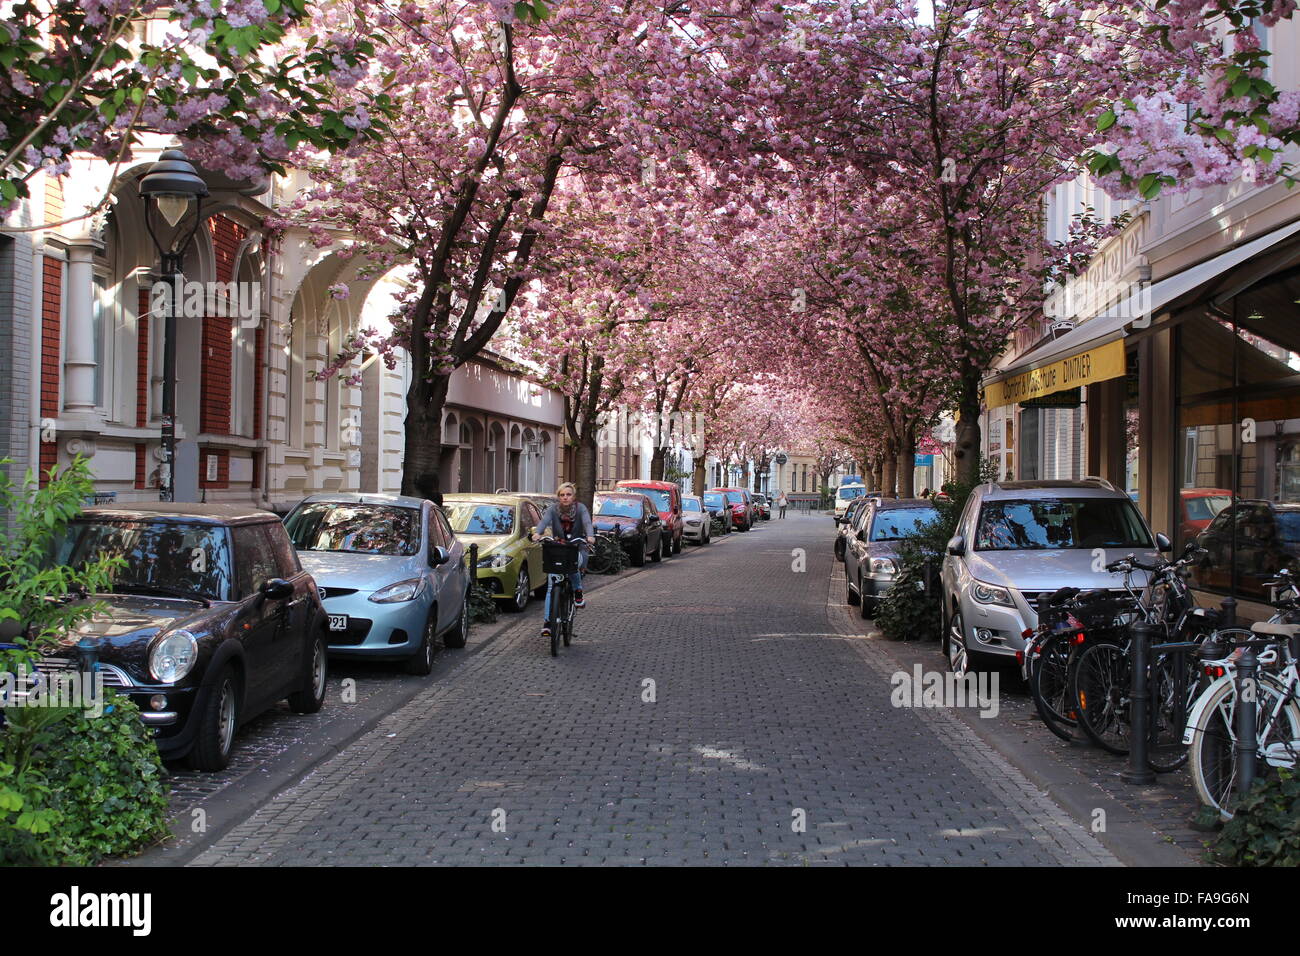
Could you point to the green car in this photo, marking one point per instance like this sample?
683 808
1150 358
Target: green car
509 565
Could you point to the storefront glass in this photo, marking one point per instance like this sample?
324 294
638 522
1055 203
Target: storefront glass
1239 438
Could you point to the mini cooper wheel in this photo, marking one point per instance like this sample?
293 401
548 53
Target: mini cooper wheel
217 724
421 662
639 551
311 697
523 591
657 554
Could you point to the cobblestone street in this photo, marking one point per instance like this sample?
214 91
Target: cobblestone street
770 738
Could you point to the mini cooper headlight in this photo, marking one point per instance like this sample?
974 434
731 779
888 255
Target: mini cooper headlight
173 657
989 594
401 591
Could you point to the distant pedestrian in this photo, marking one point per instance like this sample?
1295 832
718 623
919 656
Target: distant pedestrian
782 501
925 493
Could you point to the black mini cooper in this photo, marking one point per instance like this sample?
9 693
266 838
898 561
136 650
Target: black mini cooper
211 622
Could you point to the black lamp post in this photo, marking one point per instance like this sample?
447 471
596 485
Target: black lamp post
171 187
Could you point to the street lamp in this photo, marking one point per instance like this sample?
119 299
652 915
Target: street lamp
171 187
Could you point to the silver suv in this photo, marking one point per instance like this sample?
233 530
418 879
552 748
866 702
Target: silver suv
1017 540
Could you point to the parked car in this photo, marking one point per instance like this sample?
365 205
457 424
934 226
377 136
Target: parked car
509 565
844 526
667 499
871 552
1198 507
716 503
540 501
212 621
844 495
762 506
391 572
634 520
742 507
696 521
1017 540
1267 537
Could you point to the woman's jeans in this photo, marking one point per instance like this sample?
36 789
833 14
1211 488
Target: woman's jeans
575 578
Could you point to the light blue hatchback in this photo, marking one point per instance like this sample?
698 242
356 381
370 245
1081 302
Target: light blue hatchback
391 574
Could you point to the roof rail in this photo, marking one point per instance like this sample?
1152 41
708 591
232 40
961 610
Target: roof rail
1099 480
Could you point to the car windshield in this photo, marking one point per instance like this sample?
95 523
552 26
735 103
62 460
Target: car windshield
1047 523
735 497
658 497
468 517
713 501
618 507
358 528
1205 507
899 522
691 504
169 558
847 494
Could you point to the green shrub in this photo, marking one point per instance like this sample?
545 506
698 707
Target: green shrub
482 606
618 558
107 784
907 612
1265 830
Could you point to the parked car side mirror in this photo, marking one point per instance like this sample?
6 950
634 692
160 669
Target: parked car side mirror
956 546
1163 544
277 589
438 556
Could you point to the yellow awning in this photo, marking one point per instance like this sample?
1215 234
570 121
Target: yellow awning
1082 368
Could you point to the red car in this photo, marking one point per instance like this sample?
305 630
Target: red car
667 499
1198 507
742 506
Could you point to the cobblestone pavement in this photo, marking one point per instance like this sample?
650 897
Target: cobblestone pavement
712 710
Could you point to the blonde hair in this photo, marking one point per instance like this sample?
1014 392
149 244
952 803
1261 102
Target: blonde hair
570 486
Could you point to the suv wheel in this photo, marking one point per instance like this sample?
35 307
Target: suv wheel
849 596
954 643
866 605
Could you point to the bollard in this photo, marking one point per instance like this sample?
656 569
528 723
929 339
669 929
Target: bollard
1229 616
1247 728
87 656
473 563
1139 771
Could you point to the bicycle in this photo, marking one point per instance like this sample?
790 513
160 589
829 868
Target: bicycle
1211 732
1102 678
602 553
559 560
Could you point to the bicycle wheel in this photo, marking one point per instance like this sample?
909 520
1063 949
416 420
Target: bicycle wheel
1174 679
1049 682
1212 747
1101 696
600 558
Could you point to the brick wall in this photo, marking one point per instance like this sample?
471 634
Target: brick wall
223 468
51 332
141 465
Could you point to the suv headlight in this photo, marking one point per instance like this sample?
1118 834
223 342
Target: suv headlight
173 657
496 562
989 594
401 591
883 566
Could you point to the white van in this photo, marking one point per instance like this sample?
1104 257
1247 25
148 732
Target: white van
845 495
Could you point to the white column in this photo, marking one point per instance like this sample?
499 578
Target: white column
79 365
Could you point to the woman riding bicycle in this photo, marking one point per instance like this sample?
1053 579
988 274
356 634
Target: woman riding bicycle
564 520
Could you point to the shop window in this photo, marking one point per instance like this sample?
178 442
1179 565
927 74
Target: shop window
1239 417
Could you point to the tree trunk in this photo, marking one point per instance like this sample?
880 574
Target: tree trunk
966 454
745 479
585 468
877 475
907 466
700 477
423 452
657 463
889 475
